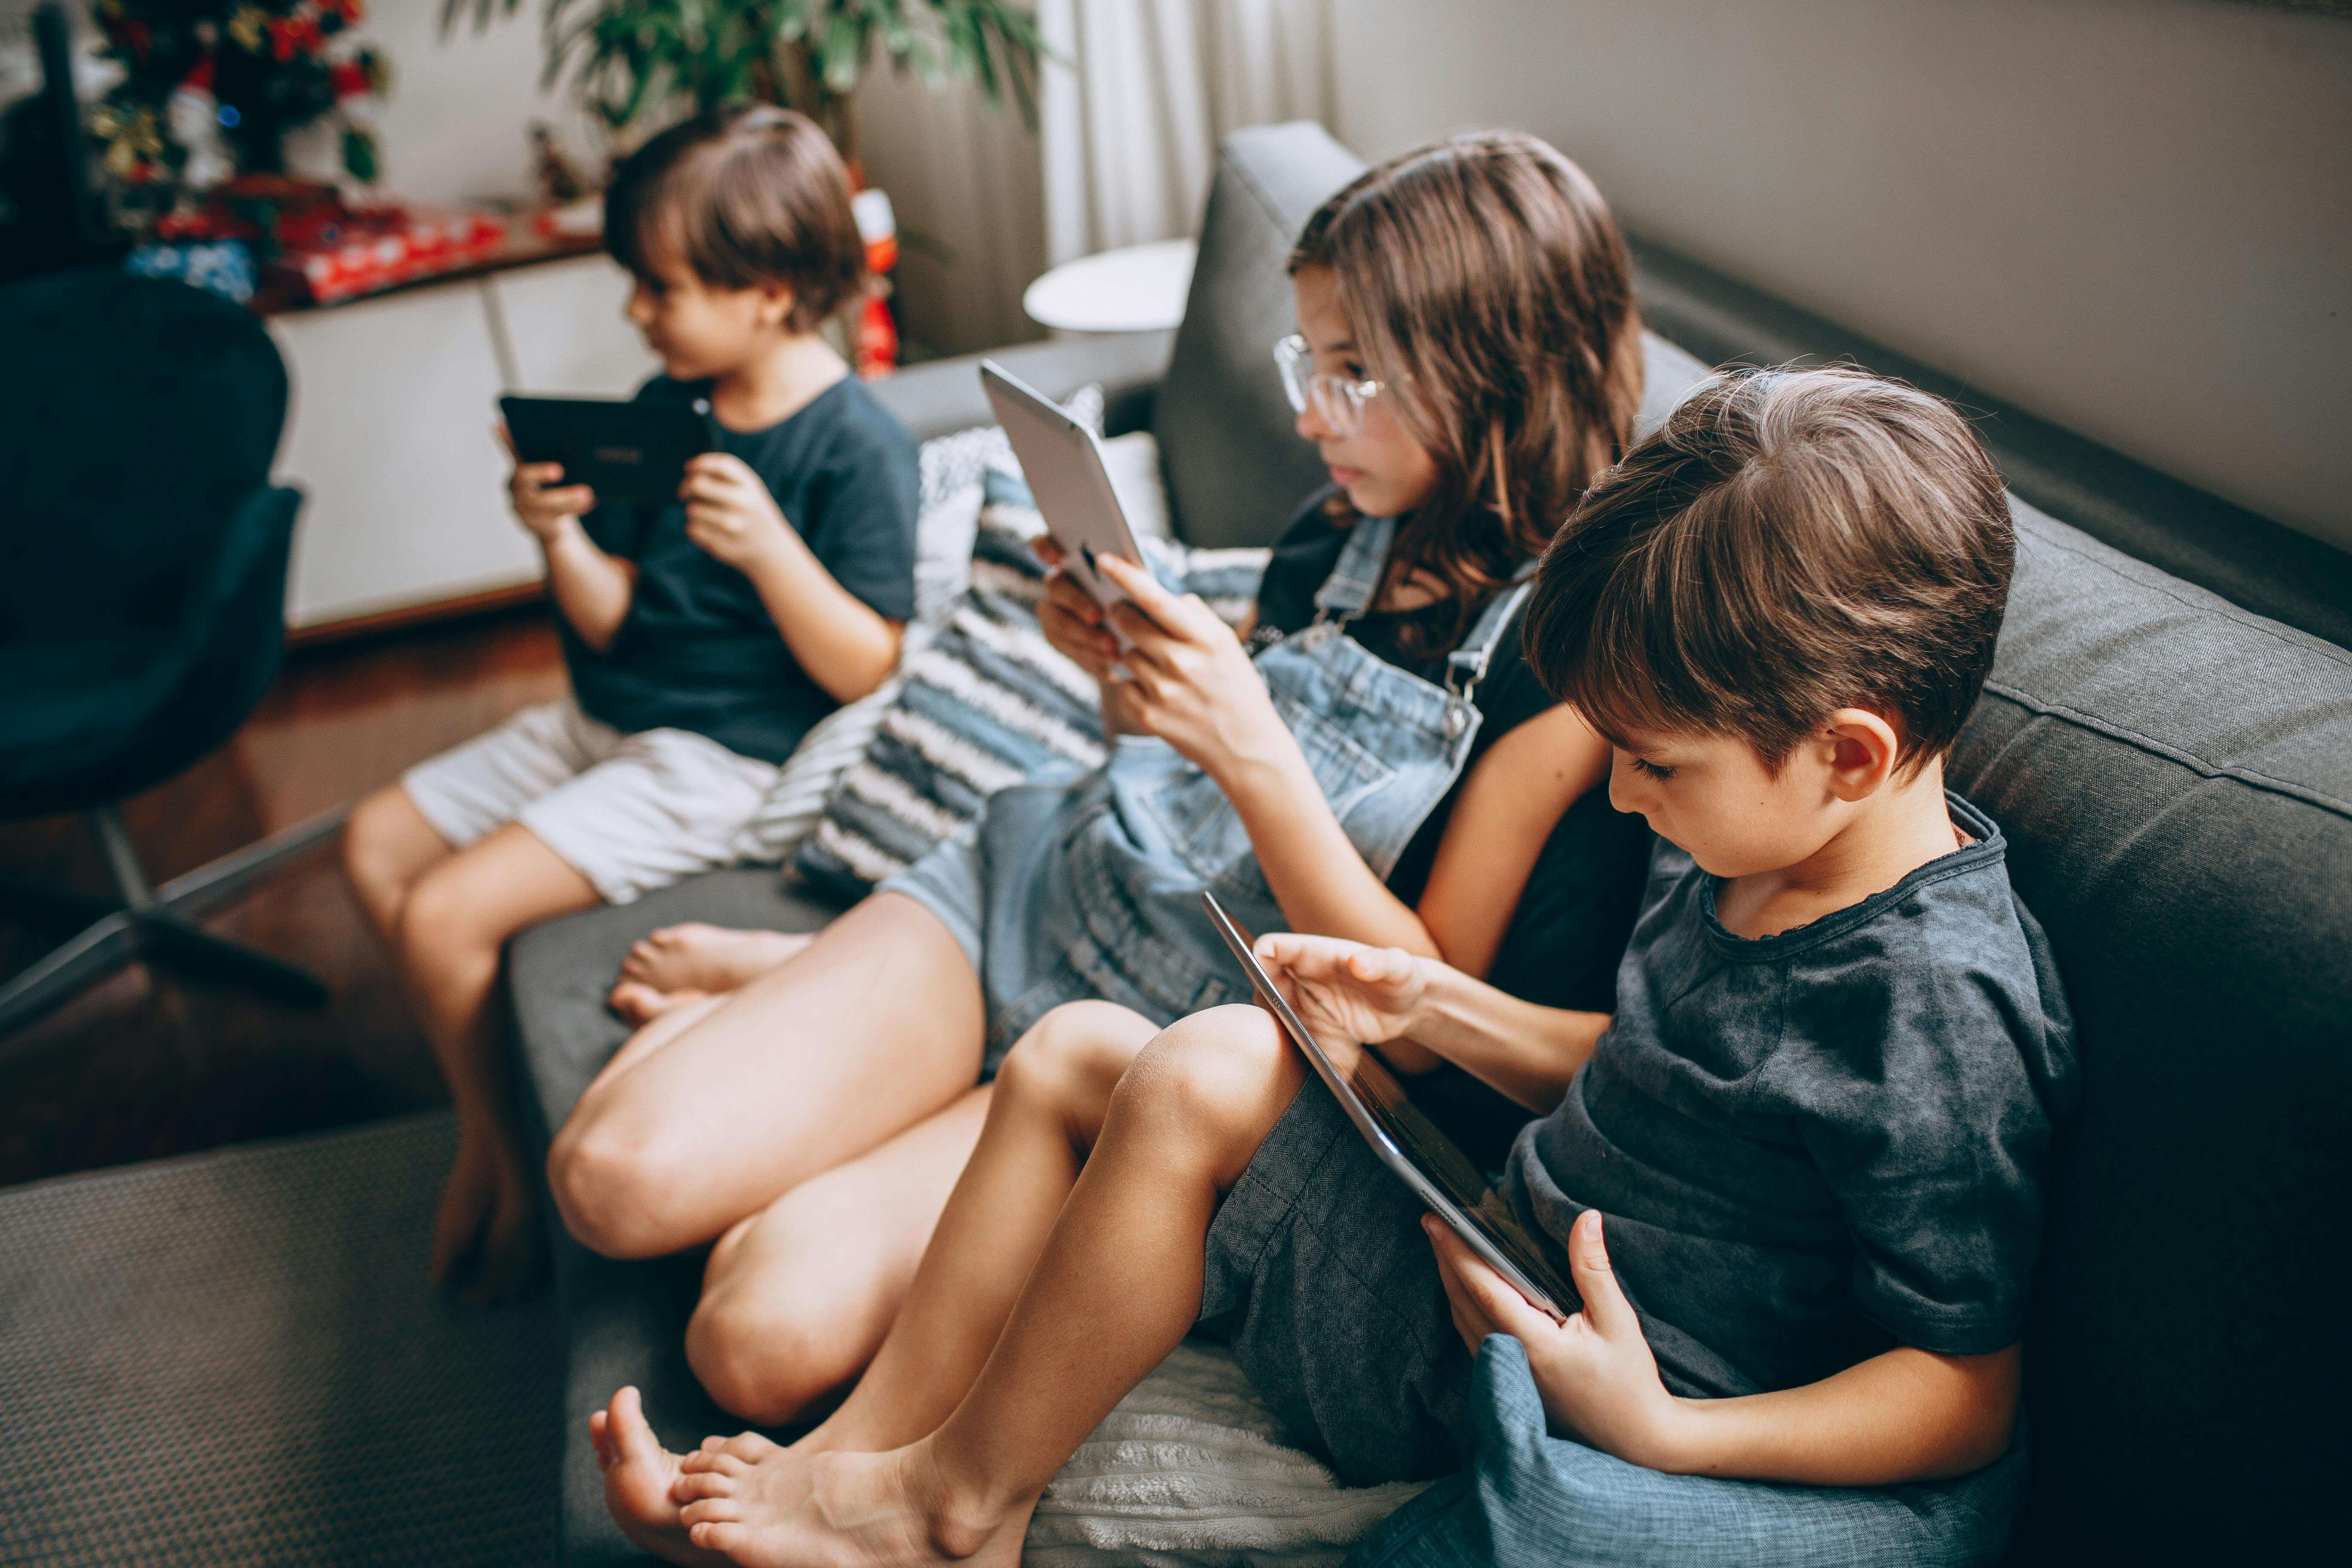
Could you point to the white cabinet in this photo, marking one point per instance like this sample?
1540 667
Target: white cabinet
390 434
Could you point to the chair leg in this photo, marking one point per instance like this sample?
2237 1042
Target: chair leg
187 946
80 964
155 922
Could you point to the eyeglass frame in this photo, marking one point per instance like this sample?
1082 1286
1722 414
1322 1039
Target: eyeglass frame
1302 385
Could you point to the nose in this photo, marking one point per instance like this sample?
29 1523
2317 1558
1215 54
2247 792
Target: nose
640 307
1624 793
1310 426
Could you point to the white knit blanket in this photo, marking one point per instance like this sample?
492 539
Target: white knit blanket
1187 1473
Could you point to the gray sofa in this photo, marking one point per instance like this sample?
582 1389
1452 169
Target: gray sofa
2174 771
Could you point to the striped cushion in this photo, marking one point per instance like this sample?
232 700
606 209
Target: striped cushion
952 470
985 704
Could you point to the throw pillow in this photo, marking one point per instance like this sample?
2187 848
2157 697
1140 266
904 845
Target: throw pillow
953 470
986 704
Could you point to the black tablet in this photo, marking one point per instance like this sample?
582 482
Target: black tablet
624 451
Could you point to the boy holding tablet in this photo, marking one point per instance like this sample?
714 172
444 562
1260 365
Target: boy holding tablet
704 637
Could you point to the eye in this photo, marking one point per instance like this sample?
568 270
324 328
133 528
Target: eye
1352 370
1643 765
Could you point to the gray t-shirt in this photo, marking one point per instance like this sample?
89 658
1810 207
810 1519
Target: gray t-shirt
1817 1146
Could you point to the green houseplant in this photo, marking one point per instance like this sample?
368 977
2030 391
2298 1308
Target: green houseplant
632 59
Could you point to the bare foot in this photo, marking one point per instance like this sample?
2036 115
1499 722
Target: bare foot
638 1004
485 1239
638 1475
781 1507
707 958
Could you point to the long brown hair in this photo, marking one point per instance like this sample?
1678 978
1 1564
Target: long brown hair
1490 294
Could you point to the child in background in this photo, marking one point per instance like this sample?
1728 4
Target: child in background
1817 1124
703 638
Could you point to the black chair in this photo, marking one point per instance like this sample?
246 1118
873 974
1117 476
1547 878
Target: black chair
141 600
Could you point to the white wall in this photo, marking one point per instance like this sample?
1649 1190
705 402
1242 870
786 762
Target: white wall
2131 216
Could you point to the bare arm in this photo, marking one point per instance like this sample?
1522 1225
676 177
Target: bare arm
1905 1415
846 647
590 588
1401 1003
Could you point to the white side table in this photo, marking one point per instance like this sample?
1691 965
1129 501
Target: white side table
1136 288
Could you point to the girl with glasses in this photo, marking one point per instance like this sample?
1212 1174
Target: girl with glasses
1371 759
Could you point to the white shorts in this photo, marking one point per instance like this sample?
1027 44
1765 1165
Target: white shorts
630 813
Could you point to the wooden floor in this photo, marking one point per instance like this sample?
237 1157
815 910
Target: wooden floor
146 1064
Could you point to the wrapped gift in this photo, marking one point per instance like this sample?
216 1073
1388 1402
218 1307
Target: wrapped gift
382 247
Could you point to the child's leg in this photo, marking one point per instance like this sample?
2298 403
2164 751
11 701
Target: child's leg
449 939
387 846
1051 1098
797 1299
875 1027
1115 1286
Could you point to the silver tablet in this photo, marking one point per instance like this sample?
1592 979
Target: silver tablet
1409 1143
1063 462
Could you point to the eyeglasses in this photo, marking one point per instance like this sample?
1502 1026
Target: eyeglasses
1337 401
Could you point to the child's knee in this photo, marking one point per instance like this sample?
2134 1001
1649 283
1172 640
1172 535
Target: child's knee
1074 1057
767 1357
1225 1075
379 840
615 1191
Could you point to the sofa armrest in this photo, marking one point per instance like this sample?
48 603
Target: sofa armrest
944 395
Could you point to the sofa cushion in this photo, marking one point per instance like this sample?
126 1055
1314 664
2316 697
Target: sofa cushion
2174 778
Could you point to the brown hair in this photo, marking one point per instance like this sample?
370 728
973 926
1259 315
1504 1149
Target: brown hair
742 197
1791 542
1490 294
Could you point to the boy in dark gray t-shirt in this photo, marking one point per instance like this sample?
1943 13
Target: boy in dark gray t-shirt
1813 1146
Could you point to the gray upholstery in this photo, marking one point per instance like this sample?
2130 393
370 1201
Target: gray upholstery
1235 472
623 1322
2174 776
944 395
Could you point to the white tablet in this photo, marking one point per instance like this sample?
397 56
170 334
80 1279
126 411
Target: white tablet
1063 462
1411 1144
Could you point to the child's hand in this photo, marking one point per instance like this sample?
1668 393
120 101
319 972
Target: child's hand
1071 620
1345 992
728 511
1195 687
1595 1372
541 503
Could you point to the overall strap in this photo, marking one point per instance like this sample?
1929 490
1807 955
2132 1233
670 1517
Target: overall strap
1465 667
1348 592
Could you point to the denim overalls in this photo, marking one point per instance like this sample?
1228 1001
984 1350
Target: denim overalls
1089 885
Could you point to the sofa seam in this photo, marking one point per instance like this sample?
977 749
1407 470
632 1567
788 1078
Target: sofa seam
2307 794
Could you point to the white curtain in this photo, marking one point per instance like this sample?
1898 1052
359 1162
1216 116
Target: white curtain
1130 118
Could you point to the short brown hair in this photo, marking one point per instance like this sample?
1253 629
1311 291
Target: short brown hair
742 197
1490 293
1789 543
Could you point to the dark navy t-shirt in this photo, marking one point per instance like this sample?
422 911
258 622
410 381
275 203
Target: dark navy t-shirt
1815 1146
698 650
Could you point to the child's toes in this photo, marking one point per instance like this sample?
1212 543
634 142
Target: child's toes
710 1511
693 1484
596 1435
749 1447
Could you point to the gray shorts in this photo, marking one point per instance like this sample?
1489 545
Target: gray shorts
629 813
1320 1279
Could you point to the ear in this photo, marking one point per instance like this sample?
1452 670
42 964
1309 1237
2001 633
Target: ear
1863 747
776 303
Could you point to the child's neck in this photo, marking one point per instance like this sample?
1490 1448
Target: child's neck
775 384
1905 826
